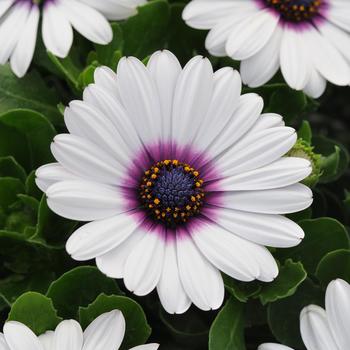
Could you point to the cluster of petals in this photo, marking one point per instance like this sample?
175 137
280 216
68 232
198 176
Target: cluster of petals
19 22
144 114
309 53
325 329
106 332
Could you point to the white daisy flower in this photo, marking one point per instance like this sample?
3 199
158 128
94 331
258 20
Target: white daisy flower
19 20
325 329
106 332
308 39
181 177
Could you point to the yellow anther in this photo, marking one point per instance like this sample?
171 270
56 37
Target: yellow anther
156 201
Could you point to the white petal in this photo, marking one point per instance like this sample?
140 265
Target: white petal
11 29
201 280
68 336
316 85
86 159
229 253
295 60
20 337
146 347
24 51
87 21
57 32
271 346
225 100
143 266
282 172
170 290
250 35
113 262
165 70
46 340
339 14
106 332
266 121
283 200
3 345
49 174
99 237
245 115
140 98
193 94
261 67
315 330
84 200
327 59
264 229
106 78
256 149
338 311
5 5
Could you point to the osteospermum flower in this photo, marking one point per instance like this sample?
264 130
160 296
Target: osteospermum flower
181 177
106 332
19 20
308 39
325 329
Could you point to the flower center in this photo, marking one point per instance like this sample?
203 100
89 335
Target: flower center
171 192
296 10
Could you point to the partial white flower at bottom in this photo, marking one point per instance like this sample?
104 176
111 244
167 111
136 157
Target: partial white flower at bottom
308 39
181 176
106 332
19 20
325 329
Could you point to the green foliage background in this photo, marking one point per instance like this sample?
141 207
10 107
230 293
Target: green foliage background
40 284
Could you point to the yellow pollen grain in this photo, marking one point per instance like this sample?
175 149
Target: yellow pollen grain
156 201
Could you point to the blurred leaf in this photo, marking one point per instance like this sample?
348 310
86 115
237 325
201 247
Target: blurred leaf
242 291
137 329
79 287
334 265
9 167
322 235
227 330
36 311
144 33
29 92
305 132
9 189
26 135
283 315
290 276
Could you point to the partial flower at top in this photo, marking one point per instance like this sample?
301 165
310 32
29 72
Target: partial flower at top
325 329
106 332
308 39
19 20
181 177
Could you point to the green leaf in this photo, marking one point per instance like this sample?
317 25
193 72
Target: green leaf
242 291
79 287
322 236
26 135
290 276
227 330
137 329
9 167
36 311
305 132
29 92
9 189
283 315
334 265
144 33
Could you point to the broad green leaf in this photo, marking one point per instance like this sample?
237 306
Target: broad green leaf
322 236
290 276
29 92
9 167
305 132
36 311
227 330
26 135
137 329
144 33
334 265
9 189
79 287
242 291
283 315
